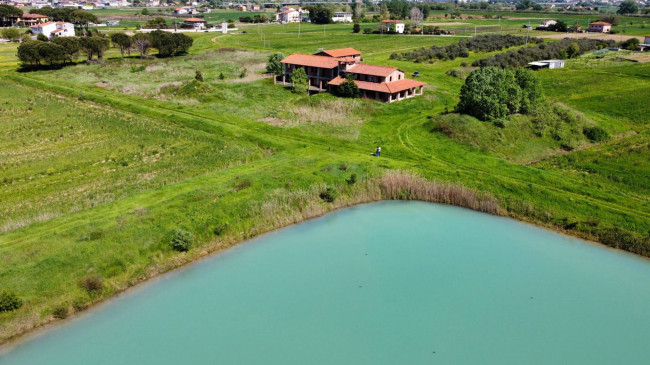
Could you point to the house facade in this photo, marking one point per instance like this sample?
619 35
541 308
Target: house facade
185 10
33 19
54 29
396 26
195 23
342 17
328 69
547 23
600 27
288 15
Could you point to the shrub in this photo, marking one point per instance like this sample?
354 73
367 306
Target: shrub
458 73
352 180
630 44
10 34
356 28
274 65
79 305
367 30
182 240
221 76
9 301
595 134
349 88
198 76
299 80
242 74
41 38
220 228
60 311
329 195
94 285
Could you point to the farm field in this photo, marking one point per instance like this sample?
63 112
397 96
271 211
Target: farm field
101 162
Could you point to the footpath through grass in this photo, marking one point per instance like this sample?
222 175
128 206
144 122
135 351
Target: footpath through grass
150 151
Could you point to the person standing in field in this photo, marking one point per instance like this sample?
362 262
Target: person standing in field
377 151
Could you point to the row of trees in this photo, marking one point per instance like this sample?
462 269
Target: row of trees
566 48
481 43
63 50
491 92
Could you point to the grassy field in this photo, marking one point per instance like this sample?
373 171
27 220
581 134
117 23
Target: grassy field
100 163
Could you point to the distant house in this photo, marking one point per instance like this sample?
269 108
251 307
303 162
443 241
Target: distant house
342 17
328 69
185 10
396 26
33 19
255 8
645 46
54 29
288 15
240 7
600 27
546 64
195 23
547 23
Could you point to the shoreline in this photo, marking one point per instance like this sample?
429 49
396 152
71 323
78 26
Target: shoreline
216 247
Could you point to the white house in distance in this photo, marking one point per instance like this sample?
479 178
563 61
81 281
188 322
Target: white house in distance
342 17
396 26
288 15
54 29
547 23
600 27
195 22
185 10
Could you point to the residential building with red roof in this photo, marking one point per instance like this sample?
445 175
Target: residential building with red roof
53 29
390 25
600 27
326 70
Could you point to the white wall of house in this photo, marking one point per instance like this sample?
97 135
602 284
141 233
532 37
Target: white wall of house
342 17
52 29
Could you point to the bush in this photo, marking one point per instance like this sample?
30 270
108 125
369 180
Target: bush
630 44
491 93
352 180
198 76
10 34
274 65
60 311
348 88
138 68
9 301
220 228
329 195
356 28
595 134
367 30
299 80
41 37
182 240
93 284
458 73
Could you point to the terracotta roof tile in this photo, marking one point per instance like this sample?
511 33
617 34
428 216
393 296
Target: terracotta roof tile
384 87
600 23
372 70
194 20
41 25
342 52
311 60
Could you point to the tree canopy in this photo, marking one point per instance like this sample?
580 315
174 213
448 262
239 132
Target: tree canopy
628 7
274 66
491 92
321 14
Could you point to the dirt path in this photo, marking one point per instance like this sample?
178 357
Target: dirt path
584 147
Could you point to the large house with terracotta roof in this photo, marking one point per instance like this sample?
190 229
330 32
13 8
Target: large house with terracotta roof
328 69
54 29
600 27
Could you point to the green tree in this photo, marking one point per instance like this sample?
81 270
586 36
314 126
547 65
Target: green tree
531 89
9 301
94 46
182 240
28 54
157 23
70 46
631 44
42 38
123 41
142 42
628 7
383 11
524 4
321 14
11 34
299 81
274 65
144 11
356 28
7 11
573 50
182 42
490 93
349 88
163 42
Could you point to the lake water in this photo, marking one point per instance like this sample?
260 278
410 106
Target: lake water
383 283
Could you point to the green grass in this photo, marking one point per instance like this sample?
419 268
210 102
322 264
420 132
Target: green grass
254 155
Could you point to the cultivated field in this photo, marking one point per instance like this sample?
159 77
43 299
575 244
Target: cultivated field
100 163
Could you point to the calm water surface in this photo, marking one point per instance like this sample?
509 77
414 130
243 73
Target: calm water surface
384 283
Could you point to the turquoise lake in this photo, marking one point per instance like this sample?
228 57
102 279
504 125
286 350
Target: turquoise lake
382 283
